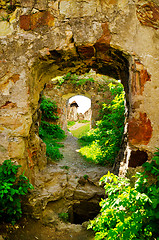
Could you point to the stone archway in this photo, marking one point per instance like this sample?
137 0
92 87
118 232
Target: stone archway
97 91
61 62
46 39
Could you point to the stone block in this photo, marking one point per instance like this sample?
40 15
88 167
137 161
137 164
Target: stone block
19 125
27 3
16 148
41 4
5 28
36 20
71 8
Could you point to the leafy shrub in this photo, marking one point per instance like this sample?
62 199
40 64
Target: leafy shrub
130 212
89 137
108 134
50 133
49 109
52 130
52 151
12 187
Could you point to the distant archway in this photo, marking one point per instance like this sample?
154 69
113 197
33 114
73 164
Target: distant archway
79 108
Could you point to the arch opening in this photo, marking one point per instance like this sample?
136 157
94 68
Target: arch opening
47 72
101 91
79 112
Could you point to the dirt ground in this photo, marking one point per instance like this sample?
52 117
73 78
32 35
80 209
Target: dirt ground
29 229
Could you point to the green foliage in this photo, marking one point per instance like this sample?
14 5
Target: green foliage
52 150
52 130
71 123
85 176
75 79
130 212
49 132
60 81
64 216
5 18
65 167
12 187
92 152
67 77
106 138
49 109
89 137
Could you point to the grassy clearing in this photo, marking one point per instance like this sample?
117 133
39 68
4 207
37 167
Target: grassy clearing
79 132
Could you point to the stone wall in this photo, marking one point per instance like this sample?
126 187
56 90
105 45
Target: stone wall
73 115
97 91
43 39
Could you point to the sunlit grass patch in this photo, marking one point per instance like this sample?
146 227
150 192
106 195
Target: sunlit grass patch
79 132
92 152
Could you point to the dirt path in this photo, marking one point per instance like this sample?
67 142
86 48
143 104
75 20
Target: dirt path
76 163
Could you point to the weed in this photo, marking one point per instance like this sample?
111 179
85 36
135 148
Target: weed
64 216
83 121
12 188
85 176
49 109
5 18
65 167
75 79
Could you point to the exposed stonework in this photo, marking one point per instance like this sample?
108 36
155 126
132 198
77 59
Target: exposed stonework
31 22
62 190
97 91
148 13
116 38
140 77
140 129
72 111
